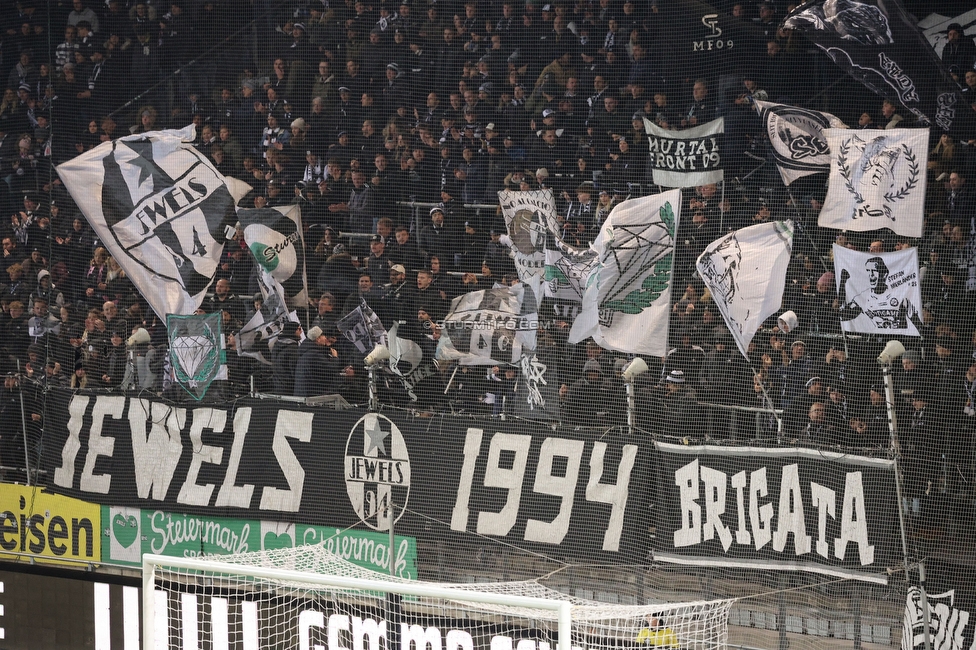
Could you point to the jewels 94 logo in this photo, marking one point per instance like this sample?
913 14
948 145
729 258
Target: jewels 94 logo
377 470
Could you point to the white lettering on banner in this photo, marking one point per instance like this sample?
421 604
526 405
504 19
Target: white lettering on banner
696 482
214 420
422 638
173 529
155 430
238 496
99 446
308 619
156 455
65 475
290 424
512 478
367 629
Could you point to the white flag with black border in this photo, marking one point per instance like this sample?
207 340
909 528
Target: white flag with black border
796 138
688 157
745 271
879 293
877 180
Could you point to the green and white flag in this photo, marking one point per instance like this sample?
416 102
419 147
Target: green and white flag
196 351
274 237
626 304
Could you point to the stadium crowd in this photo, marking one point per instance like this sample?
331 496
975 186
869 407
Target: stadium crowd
393 126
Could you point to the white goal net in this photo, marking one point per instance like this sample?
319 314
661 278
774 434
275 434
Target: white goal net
310 599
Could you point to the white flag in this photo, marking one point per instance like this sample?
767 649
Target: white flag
796 138
161 209
626 304
686 158
877 180
879 293
745 271
530 217
488 327
274 237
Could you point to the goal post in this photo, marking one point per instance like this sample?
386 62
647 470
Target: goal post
561 609
309 598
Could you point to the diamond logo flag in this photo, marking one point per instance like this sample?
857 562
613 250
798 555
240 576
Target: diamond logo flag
877 180
161 209
196 351
879 293
745 271
796 138
626 304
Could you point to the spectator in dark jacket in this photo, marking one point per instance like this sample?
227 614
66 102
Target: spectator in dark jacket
284 358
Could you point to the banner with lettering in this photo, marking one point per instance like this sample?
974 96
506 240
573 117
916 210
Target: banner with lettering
777 509
686 158
555 491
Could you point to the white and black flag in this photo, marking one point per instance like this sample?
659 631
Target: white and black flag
745 271
796 138
161 209
686 158
274 237
877 180
362 328
879 44
879 293
488 327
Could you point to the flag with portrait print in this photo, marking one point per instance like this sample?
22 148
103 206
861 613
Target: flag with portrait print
879 292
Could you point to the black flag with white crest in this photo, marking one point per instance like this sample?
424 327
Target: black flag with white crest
878 43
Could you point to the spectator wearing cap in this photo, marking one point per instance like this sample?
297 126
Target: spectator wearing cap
687 357
378 263
394 90
284 358
679 405
348 113
585 402
796 414
470 257
399 296
435 238
274 135
582 209
318 367
797 374
959 50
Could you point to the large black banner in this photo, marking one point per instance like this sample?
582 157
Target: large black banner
950 596
879 44
769 509
554 491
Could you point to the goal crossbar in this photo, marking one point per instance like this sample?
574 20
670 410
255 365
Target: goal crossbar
562 609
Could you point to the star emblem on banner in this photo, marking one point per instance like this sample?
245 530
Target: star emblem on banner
375 435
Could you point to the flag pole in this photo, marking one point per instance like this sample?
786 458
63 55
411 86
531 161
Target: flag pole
799 221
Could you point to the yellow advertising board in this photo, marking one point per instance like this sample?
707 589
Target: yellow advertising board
48 526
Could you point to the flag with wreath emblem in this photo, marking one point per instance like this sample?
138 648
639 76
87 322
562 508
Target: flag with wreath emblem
877 180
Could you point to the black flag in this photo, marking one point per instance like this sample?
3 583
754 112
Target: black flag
878 43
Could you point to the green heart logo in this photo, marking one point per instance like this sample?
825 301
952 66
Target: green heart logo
273 541
125 529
